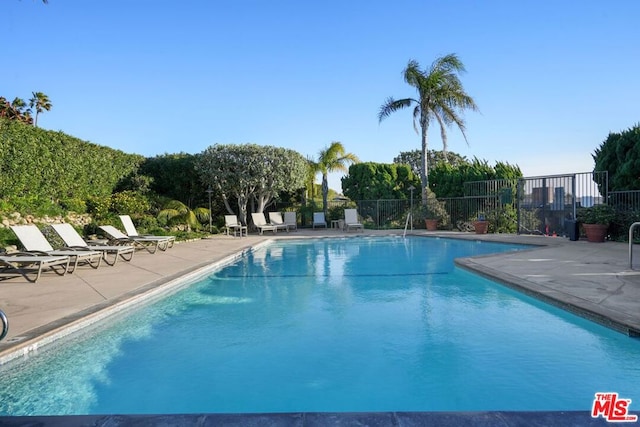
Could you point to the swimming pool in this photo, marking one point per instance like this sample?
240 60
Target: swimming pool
358 324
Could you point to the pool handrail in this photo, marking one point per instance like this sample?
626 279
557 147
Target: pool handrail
406 224
5 325
634 225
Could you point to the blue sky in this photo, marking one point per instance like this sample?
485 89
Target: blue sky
551 78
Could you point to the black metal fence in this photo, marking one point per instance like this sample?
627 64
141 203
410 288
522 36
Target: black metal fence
548 204
534 205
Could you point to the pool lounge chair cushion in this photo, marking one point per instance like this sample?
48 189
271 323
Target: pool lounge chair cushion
261 223
319 220
231 223
291 220
35 243
73 240
151 244
130 230
351 220
275 218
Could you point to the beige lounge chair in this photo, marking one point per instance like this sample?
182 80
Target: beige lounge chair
291 220
118 237
73 240
34 242
260 222
130 230
319 220
231 223
351 220
24 264
275 218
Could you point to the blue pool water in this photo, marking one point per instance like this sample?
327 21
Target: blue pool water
358 324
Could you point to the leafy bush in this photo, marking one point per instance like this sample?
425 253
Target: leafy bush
146 223
129 203
7 237
44 167
74 205
619 227
337 211
503 220
98 206
598 214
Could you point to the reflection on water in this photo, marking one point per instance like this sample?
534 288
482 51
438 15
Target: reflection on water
359 324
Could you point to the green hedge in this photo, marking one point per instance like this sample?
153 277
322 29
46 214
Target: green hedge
51 168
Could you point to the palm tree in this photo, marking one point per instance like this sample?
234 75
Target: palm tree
15 110
310 182
332 159
440 97
176 213
40 102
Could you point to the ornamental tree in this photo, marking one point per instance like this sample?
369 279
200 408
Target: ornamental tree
251 173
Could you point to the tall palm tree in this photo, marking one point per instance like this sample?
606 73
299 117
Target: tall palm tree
440 97
333 158
310 182
40 102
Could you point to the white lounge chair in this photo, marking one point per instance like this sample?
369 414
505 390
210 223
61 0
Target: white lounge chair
231 223
73 240
275 218
130 230
351 220
151 244
260 222
319 220
23 264
34 242
291 220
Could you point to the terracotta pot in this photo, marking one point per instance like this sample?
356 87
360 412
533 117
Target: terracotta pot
431 224
596 233
481 226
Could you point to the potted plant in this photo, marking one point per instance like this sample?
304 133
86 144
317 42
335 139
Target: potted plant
433 212
481 225
595 221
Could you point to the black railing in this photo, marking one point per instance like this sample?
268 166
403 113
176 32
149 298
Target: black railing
5 325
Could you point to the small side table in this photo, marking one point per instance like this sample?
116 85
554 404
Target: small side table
335 223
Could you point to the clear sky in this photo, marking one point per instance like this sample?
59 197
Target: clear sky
551 78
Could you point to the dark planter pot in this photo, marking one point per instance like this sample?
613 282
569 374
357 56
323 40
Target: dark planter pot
596 233
431 224
481 226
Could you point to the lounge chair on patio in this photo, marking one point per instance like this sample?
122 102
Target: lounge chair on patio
118 237
34 243
231 223
319 220
351 220
275 218
73 240
291 220
260 222
130 230
24 264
